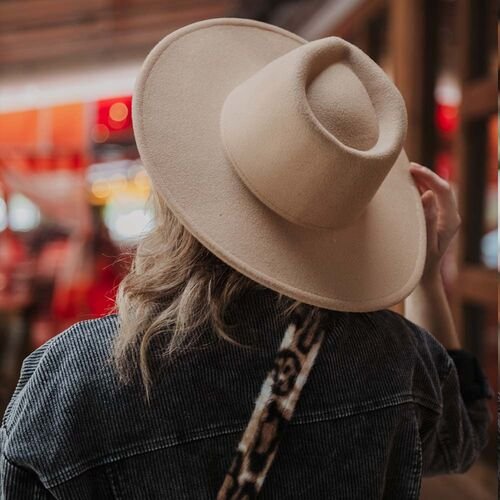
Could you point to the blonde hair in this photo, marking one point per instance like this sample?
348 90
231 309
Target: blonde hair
174 288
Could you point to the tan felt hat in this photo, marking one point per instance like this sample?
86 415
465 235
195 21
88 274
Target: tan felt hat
285 159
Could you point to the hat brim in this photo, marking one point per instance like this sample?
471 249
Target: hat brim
371 265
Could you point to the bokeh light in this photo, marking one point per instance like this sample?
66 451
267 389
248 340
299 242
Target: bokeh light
24 215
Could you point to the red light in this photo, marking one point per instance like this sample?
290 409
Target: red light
115 115
446 118
444 165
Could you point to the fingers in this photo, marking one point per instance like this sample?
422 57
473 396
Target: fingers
430 178
445 197
431 219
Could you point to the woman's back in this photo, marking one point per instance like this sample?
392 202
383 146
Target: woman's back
381 407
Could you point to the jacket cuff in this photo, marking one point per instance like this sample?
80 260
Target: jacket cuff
473 382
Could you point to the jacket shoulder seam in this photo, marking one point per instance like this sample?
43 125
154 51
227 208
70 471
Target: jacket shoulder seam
47 350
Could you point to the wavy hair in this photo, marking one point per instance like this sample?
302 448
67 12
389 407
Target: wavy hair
175 287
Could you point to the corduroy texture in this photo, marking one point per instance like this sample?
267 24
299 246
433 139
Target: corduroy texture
381 407
265 159
274 407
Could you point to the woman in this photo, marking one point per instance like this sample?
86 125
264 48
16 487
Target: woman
262 282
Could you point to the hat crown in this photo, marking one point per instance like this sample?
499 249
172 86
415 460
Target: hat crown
314 133
329 95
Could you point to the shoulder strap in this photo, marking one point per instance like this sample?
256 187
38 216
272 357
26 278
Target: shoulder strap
275 405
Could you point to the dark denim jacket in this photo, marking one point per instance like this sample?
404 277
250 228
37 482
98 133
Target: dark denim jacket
381 408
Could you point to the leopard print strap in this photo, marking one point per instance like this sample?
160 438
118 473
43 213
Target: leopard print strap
274 406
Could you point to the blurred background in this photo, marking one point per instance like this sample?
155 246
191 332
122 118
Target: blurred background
73 192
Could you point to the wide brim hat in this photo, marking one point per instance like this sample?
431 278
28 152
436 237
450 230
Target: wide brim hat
285 159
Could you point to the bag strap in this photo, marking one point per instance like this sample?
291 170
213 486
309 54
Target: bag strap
275 405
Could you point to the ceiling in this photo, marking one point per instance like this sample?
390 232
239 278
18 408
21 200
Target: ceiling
37 33
41 33
56 51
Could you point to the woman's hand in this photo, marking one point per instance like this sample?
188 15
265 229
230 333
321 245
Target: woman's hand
441 214
428 305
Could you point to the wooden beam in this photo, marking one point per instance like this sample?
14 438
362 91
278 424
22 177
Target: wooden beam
119 34
358 16
479 98
340 18
406 41
39 13
478 284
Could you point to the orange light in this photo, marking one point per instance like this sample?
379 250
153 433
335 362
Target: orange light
141 180
101 189
100 133
118 111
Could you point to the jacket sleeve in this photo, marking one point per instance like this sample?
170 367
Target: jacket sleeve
18 482
453 439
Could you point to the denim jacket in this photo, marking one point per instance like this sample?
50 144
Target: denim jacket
382 407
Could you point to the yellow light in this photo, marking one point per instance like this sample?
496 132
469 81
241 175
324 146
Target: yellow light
117 183
101 189
141 180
